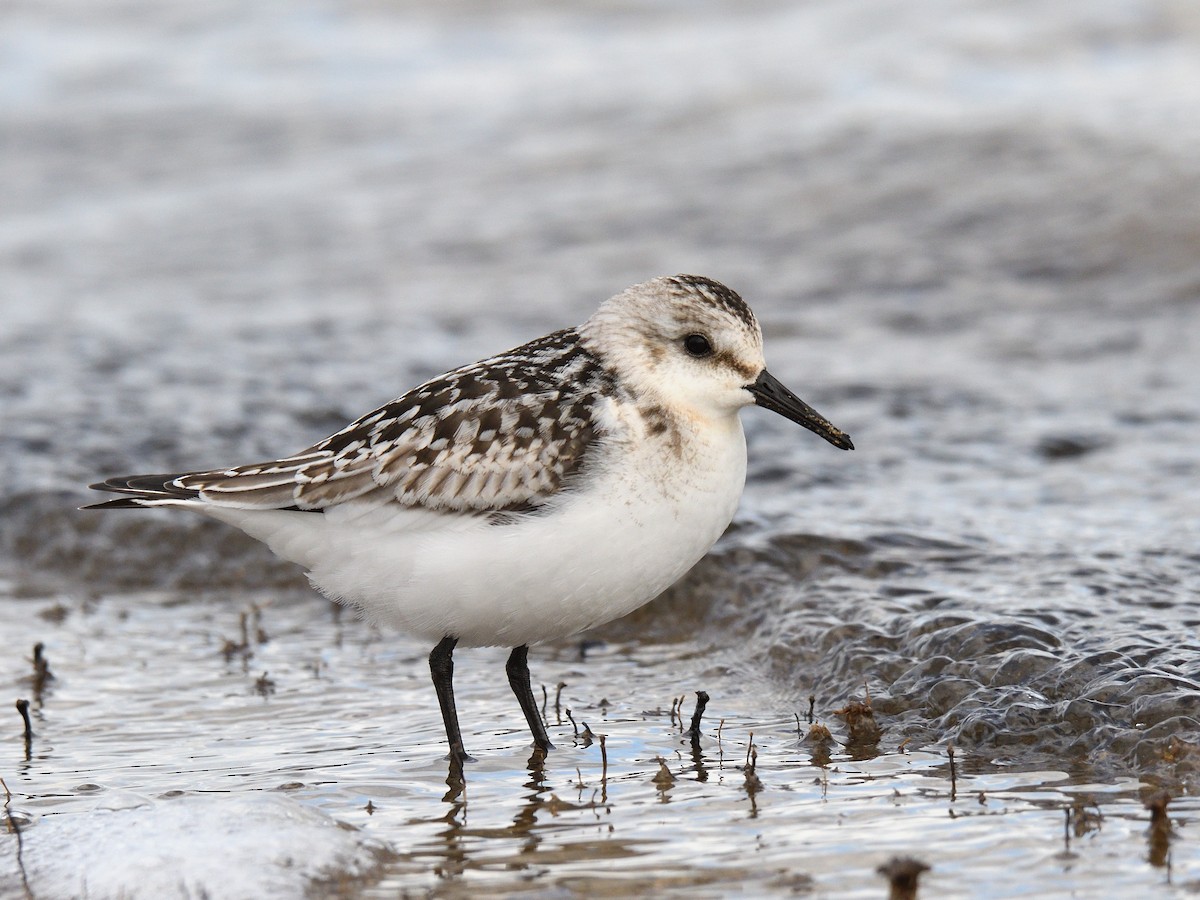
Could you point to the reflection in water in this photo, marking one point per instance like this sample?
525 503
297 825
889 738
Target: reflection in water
461 847
452 860
546 833
953 772
698 761
525 820
1066 853
663 780
752 784
42 677
23 710
15 823
1158 836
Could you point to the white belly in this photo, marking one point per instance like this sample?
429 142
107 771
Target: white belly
627 533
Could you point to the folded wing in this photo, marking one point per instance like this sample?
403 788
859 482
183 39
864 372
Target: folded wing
503 434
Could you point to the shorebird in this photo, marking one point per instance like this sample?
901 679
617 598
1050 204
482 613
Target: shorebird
527 497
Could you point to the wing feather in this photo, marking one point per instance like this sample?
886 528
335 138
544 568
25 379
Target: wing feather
502 434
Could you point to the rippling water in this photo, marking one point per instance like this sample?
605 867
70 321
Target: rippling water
970 233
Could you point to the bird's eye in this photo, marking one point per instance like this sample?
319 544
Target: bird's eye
697 345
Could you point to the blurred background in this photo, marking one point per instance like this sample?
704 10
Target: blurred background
312 195
971 232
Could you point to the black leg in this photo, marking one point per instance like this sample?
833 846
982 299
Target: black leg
518 680
441 666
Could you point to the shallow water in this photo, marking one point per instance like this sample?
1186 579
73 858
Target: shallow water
149 760
971 238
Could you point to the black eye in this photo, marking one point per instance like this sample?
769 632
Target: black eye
697 345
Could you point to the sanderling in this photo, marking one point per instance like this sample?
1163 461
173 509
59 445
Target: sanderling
527 497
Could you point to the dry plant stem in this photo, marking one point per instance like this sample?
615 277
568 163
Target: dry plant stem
953 773
260 633
701 702
23 709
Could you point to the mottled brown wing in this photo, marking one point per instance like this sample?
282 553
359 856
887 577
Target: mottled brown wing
502 434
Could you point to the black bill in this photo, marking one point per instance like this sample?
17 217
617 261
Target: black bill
770 393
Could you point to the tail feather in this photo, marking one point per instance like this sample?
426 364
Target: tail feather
165 490
144 490
121 503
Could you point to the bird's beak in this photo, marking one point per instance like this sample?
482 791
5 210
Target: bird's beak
770 393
